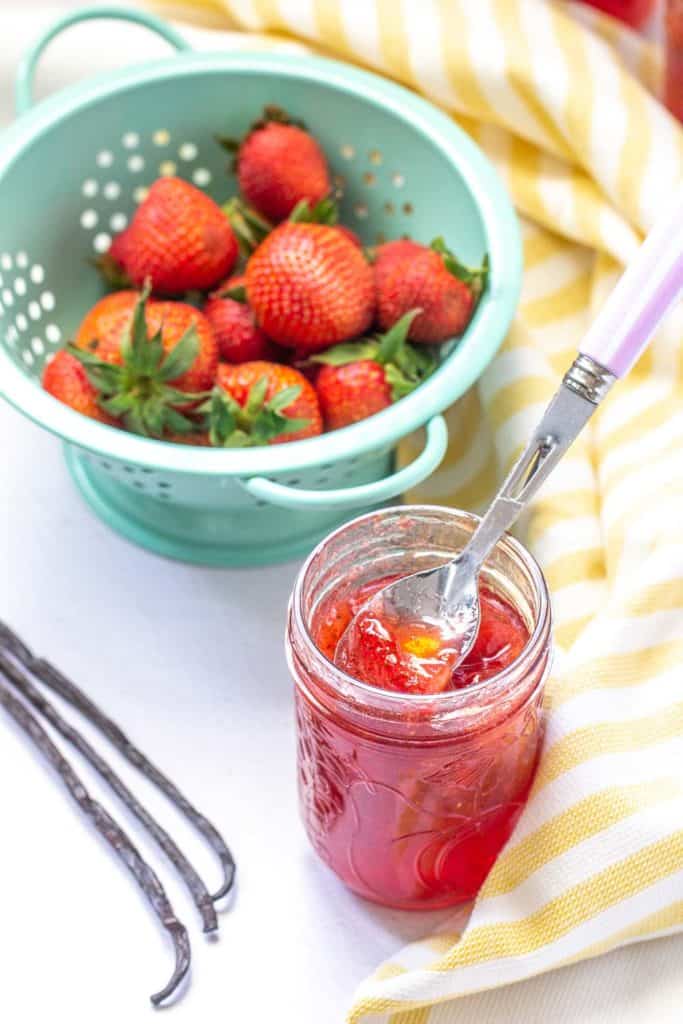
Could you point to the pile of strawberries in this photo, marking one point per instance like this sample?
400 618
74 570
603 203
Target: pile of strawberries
263 321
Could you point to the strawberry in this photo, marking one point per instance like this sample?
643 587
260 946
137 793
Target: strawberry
239 339
262 403
150 363
310 287
179 239
64 378
278 164
408 275
361 378
105 327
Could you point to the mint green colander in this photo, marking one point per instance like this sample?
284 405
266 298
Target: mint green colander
72 169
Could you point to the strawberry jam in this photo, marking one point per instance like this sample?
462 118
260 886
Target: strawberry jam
408 791
406 658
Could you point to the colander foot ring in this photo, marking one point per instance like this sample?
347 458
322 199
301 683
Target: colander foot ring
124 512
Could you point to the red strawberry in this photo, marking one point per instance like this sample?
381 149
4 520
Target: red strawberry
239 339
108 323
262 403
361 378
279 164
64 378
310 287
151 361
408 275
179 239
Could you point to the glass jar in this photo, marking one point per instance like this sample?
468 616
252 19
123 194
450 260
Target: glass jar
408 797
633 12
673 88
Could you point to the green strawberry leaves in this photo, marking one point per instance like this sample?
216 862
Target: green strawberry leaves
325 211
236 292
138 391
474 277
258 422
248 226
405 366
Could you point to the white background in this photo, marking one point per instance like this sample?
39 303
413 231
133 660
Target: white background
190 662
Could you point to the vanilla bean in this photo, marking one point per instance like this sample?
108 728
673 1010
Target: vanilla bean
56 681
113 834
200 894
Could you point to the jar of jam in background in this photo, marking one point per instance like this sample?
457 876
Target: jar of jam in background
633 12
410 797
673 87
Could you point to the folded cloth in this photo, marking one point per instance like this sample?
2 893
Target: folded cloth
561 99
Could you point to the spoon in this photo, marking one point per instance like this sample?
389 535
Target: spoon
445 600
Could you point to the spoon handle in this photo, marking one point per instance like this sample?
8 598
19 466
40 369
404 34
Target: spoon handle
646 291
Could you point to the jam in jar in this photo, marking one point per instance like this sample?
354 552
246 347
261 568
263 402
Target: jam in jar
409 795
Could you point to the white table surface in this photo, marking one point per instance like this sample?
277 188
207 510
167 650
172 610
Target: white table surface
190 662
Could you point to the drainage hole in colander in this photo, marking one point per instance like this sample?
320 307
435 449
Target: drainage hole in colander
129 469
139 484
53 334
21 321
361 210
146 469
37 346
164 496
37 274
369 179
398 180
261 503
20 286
163 485
375 157
293 481
101 242
347 151
104 464
320 480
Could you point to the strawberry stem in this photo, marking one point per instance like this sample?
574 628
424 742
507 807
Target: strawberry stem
249 227
254 424
138 391
325 211
474 277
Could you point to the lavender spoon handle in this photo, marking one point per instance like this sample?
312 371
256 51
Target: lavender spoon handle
648 287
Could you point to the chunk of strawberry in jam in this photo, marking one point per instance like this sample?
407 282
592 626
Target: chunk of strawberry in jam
410 658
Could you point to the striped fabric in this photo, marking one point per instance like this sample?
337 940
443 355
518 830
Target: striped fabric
560 99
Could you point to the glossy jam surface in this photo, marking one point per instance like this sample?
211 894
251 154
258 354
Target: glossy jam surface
414 816
406 657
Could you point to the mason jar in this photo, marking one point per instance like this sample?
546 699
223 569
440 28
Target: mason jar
409 798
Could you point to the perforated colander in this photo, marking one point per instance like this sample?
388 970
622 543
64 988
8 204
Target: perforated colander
73 168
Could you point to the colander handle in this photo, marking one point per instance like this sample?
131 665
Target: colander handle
365 494
27 68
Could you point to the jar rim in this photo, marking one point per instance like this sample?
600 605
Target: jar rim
445 700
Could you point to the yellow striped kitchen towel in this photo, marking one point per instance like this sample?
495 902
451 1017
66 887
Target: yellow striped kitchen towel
562 101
